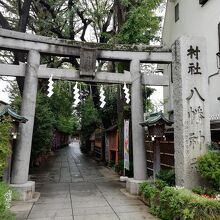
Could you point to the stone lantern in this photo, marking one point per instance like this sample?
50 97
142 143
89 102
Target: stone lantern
156 123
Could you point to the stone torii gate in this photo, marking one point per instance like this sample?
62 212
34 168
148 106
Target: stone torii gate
190 96
88 53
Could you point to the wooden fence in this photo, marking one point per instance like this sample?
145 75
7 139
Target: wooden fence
166 153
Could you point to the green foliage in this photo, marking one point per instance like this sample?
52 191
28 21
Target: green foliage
208 166
5 201
200 190
89 115
52 113
61 103
183 204
62 99
90 120
43 127
148 105
142 23
214 146
67 124
160 184
174 203
168 176
150 192
5 148
14 95
109 113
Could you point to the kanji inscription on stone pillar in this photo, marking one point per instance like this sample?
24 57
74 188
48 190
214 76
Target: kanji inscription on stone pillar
191 112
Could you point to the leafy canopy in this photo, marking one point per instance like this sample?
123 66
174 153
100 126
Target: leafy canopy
142 23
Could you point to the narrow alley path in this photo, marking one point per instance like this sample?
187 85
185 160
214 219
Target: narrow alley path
74 187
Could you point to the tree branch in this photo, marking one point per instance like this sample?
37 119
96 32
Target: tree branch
85 22
4 23
19 7
5 5
49 8
24 15
71 28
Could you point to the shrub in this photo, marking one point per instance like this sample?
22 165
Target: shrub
5 149
200 190
167 176
6 195
142 186
150 192
214 146
183 204
160 184
208 166
178 203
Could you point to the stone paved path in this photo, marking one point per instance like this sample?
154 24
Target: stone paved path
74 187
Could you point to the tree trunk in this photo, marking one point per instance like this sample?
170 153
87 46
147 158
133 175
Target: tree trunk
24 16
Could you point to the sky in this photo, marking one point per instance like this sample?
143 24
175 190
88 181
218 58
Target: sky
3 95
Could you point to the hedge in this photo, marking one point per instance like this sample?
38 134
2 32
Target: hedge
174 203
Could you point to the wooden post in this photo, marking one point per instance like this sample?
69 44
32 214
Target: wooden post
156 163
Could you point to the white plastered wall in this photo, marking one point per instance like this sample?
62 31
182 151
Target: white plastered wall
195 20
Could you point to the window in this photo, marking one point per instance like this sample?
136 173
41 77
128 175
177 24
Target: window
177 12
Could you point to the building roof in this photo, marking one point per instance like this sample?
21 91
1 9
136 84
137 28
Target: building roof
9 111
156 118
2 102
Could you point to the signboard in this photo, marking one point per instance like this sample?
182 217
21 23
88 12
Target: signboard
88 61
126 144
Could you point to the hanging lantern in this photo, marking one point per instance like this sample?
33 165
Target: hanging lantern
76 95
126 92
102 97
50 86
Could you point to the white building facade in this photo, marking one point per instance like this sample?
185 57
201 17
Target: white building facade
196 18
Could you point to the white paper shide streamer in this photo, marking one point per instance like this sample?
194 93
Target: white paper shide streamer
76 95
50 86
102 97
126 92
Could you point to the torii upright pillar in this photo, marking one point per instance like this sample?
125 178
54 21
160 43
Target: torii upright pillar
21 157
137 115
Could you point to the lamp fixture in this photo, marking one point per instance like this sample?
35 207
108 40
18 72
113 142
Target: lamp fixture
218 60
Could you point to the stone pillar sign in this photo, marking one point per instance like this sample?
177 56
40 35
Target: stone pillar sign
191 113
